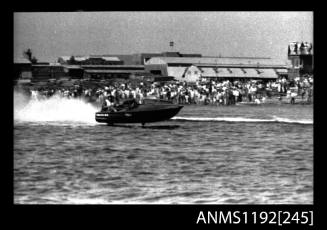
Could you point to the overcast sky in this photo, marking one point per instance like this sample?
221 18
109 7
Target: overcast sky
261 34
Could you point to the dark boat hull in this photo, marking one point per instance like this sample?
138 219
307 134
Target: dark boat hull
143 114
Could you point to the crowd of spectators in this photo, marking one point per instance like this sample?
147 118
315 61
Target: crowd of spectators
223 92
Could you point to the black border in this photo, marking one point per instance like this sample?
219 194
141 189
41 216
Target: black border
154 216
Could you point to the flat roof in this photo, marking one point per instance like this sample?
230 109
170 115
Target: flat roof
202 61
113 66
113 71
84 58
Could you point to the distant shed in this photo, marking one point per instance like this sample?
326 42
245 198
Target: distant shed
22 69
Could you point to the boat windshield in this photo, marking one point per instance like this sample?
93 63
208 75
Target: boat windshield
127 104
156 101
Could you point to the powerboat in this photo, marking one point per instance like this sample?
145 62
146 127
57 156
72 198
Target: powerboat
130 111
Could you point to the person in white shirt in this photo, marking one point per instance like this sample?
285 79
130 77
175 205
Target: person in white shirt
293 95
236 94
257 101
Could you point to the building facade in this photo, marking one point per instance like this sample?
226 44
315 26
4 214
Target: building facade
22 69
301 57
142 58
44 72
102 72
90 60
217 68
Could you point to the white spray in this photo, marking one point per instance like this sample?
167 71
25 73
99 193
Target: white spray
53 109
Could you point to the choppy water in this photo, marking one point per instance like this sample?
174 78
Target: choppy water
212 155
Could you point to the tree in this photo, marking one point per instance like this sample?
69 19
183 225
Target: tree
33 60
72 60
28 54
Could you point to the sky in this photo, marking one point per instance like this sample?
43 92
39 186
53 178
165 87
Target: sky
239 34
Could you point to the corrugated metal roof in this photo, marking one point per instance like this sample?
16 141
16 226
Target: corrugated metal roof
217 61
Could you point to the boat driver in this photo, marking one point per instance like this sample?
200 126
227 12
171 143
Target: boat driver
109 105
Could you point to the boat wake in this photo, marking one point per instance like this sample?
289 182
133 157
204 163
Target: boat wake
53 110
243 119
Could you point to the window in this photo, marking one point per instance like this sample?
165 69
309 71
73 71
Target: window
157 72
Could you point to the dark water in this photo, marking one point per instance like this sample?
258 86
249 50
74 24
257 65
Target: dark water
218 155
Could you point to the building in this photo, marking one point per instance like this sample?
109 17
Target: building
301 57
56 71
44 72
112 71
22 69
141 58
193 68
90 60
74 71
189 74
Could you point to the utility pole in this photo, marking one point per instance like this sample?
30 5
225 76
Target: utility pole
171 44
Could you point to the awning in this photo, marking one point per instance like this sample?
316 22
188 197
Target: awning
283 71
208 72
251 73
267 73
238 73
224 72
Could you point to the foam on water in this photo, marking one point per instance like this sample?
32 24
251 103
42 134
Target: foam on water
244 119
287 120
54 109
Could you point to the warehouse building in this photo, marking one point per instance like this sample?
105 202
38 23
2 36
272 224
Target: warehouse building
90 60
300 55
141 58
194 68
44 72
22 69
112 71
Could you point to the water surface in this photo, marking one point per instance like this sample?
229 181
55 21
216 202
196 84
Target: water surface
205 155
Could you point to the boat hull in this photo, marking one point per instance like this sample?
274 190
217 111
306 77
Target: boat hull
143 114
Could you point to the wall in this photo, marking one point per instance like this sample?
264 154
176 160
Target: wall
154 68
22 71
191 74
